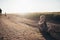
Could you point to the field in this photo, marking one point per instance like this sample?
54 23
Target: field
15 27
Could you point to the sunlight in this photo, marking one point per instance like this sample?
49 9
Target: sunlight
23 13
26 6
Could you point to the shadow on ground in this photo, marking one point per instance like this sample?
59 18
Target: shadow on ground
47 36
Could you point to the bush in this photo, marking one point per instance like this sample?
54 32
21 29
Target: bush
50 16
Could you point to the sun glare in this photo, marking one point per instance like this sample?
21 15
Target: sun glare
23 13
26 6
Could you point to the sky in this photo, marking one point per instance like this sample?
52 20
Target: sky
25 6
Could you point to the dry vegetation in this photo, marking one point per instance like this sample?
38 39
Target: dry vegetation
53 22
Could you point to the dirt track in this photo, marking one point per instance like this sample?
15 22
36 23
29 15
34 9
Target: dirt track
14 30
17 28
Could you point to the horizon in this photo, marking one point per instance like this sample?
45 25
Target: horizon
27 6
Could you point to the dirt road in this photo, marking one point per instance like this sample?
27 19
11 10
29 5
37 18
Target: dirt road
11 29
18 28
